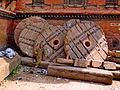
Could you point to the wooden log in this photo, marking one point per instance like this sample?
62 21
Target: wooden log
7 65
65 61
109 65
113 59
110 53
27 61
77 62
82 63
118 66
97 63
115 53
30 62
86 74
116 75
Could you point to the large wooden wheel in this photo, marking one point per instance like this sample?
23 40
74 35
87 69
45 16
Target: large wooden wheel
85 40
27 32
51 41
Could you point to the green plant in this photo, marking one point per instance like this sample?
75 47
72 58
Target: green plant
14 72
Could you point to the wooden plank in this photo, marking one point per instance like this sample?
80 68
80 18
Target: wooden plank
86 74
30 62
109 65
115 53
65 61
116 75
118 66
113 59
27 61
7 65
82 63
97 63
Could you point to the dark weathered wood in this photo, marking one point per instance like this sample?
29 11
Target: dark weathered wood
118 66
86 74
82 63
21 25
76 62
27 61
116 75
97 63
65 61
7 65
85 40
113 59
115 53
30 62
27 31
109 65
51 41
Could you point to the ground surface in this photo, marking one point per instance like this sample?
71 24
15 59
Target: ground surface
25 80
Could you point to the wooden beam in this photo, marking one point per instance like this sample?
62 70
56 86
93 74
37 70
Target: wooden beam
116 75
65 61
30 62
113 59
97 63
82 63
109 65
86 74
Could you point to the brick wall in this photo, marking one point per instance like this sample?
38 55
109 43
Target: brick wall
112 32
3 32
21 4
54 1
96 2
7 27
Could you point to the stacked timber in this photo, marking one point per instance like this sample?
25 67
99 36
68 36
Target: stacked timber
74 49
